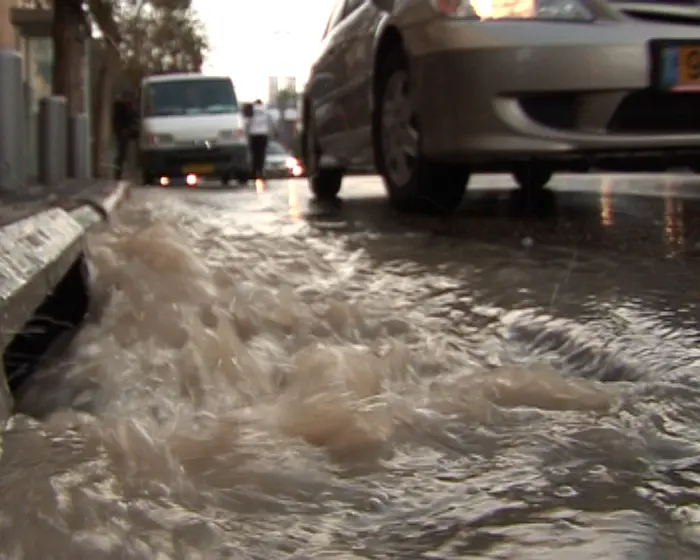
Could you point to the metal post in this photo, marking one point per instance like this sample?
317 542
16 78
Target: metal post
53 153
12 137
79 147
87 84
30 128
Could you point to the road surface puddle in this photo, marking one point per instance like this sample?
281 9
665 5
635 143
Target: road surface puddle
266 394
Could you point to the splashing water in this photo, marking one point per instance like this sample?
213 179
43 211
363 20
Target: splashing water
246 392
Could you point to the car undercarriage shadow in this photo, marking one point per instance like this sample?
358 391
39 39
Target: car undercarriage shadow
595 220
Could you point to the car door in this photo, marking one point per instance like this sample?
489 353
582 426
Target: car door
360 22
325 82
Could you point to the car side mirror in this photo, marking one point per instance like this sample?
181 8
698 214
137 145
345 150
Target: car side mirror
384 5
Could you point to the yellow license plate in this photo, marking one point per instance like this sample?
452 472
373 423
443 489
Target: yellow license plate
198 169
680 68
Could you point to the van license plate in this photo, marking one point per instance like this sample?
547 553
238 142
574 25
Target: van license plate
198 169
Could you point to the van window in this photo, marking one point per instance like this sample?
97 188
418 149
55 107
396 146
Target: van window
206 96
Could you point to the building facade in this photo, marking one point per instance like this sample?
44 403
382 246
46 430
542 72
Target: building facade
25 27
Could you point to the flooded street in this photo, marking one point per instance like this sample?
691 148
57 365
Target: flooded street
266 378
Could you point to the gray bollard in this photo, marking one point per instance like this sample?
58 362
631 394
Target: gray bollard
79 147
12 134
52 136
30 126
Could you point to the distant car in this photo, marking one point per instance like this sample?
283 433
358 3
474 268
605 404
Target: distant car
431 91
191 127
280 162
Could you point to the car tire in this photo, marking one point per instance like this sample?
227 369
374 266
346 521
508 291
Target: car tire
532 178
422 184
225 180
324 182
147 178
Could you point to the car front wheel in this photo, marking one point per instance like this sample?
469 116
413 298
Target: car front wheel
413 182
324 182
532 178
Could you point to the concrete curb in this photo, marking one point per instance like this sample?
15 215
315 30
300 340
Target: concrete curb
43 283
92 212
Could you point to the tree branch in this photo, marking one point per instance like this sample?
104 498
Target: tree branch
103 12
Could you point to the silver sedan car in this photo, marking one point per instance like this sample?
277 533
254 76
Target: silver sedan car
431 91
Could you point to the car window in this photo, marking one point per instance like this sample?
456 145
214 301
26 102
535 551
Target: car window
334 17
275 149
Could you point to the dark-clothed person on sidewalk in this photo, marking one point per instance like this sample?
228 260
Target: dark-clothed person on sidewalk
125 125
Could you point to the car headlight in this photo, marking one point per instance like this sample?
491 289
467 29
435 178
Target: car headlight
557 10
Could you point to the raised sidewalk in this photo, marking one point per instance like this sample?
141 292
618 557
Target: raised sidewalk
44 289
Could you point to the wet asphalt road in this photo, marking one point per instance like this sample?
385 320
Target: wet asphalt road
582 250
650 216
267 377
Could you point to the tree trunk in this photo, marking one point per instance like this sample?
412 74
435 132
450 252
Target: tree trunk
69 54
102 112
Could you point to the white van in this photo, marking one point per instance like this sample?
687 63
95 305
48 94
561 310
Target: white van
191 125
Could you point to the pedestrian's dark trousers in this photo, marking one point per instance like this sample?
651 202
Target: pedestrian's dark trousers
258 148
123 141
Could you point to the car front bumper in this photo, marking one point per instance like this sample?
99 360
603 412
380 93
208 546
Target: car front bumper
217 161
560 91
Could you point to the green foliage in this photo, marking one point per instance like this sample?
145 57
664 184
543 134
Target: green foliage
287 98
158 37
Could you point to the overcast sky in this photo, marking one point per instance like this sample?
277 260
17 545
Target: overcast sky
254 39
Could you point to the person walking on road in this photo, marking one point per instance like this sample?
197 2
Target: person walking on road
125 128
260 127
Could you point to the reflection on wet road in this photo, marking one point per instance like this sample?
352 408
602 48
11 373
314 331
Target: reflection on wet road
267 377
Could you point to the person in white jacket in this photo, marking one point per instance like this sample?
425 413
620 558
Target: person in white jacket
260 128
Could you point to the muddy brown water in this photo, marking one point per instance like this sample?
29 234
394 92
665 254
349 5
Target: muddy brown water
254 385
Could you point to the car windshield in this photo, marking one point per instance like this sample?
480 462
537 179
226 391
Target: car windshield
205 96
275 149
